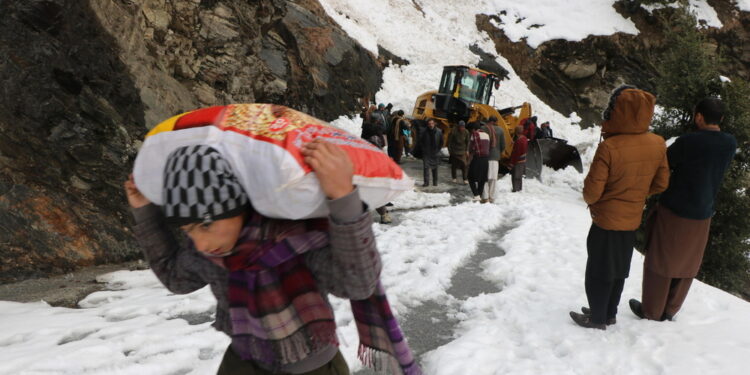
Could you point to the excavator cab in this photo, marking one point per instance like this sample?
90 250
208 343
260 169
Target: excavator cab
460 88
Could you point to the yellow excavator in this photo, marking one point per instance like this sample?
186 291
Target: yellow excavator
464 94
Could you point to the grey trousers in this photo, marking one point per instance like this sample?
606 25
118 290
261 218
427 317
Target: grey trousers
516 175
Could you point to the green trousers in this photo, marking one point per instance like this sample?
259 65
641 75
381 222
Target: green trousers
232 364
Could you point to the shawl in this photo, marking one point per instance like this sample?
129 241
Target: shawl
278 314
491 132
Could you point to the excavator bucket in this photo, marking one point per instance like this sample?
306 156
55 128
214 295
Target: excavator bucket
552 152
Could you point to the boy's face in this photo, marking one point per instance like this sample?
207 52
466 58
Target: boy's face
217 238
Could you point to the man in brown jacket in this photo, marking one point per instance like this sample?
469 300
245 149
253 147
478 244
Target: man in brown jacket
458 148
629 165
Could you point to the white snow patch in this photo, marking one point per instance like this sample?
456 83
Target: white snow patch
743 5
704 13
419 199
352 125
135 330
544 20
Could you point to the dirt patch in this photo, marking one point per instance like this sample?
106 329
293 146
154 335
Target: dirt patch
65 290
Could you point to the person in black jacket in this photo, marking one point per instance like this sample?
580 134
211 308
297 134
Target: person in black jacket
545 131
677 232
430 144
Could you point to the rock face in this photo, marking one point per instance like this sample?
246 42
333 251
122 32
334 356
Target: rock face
579 76
84 80
576 76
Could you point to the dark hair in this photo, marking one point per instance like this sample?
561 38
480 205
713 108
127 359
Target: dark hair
712 110
400 112
613 99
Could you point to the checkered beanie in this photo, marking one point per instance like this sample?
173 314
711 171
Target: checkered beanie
200 187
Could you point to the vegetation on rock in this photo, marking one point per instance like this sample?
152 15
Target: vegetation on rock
688 72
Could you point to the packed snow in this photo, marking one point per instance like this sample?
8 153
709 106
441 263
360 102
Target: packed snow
137 327
413 199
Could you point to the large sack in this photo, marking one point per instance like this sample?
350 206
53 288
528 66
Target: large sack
262 143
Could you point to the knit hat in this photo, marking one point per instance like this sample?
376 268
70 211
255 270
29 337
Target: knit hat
462 123
200 187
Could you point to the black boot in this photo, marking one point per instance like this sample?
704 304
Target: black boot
635 306
587 311
585 321
434 177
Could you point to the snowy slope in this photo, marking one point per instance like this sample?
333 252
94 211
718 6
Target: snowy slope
520 328
743 5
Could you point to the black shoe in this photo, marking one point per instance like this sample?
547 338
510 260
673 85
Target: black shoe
585 321
587 311
635 306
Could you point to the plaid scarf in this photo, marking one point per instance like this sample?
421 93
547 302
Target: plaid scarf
475 145
278 314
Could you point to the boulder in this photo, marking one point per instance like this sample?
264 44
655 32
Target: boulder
578 69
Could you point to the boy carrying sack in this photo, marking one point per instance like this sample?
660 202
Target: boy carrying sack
271 277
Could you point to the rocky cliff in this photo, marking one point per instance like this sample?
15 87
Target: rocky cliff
579 76
84 80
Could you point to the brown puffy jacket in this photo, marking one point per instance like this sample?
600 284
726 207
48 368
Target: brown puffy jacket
628 166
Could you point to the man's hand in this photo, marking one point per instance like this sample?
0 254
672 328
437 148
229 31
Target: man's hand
332 166
135 198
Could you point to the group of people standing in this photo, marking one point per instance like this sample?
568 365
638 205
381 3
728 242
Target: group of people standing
476 150
384 128
532 131
629 165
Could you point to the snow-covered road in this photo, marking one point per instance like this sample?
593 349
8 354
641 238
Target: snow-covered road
480 289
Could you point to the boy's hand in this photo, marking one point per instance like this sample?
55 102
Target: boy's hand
135 198
332 166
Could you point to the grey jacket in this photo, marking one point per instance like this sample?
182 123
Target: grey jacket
348 268
497 151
